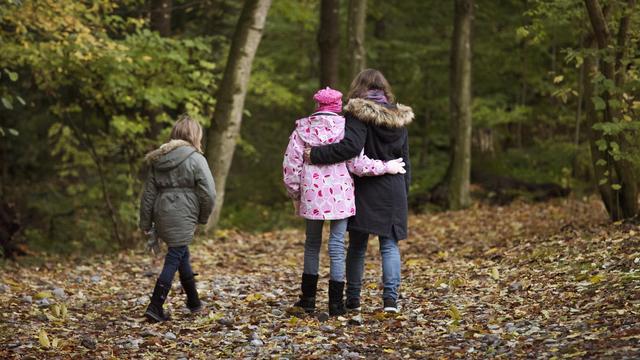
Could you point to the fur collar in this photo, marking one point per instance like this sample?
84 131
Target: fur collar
165 149
371 112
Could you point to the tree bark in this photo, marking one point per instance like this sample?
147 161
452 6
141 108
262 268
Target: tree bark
600 159
624 167
625 202
581 81
329 42
356 30
227 118
85 140
160 21
161 16
460 106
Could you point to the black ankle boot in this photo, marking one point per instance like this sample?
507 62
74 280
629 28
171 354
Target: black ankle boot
308 298
154 312
193 301
336 302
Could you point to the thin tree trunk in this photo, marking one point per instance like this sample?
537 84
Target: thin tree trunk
624 167
427 120
599 159
581 80
5 169
523 85
161 16
626 197
86 141
329 42
460 106
380 28
356 30
227 118
160 21
523 94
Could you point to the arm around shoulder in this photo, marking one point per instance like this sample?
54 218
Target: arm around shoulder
355 134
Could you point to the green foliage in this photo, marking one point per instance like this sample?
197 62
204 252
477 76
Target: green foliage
544 162
96 83
86 88
258 217
7 98
493 112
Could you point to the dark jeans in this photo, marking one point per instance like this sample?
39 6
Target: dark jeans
177 259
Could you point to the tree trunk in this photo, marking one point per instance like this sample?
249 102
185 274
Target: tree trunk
600 159
460 106
329 42
621 172
161 17
356 30
581 81
227 118
160 21
85 141
624 167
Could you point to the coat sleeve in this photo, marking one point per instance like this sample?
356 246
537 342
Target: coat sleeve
355 134
362 165
147 201
205 189
407 161
292 165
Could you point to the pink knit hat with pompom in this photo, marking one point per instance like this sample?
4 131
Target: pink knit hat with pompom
328 99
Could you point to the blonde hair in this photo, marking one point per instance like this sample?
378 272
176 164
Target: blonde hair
189 130
369 79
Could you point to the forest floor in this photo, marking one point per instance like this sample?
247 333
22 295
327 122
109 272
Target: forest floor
526 280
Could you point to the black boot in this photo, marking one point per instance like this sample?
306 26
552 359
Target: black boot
154 312
193 301
308 298
336 302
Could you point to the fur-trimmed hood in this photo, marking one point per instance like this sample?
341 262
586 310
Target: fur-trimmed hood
170 155
395 116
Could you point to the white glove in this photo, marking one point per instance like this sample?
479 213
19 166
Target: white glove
395 166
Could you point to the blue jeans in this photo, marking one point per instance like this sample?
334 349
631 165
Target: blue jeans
177 259
336 248
390 253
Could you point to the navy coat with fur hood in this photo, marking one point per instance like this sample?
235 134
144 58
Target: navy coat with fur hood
178 194
379 128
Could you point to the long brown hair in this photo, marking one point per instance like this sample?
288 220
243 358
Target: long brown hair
189 130
369 79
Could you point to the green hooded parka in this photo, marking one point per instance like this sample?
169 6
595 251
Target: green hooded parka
178 194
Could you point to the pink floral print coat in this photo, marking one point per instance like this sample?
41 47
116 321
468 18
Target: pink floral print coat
325 192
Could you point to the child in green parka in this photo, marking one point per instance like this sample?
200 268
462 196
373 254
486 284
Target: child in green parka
179 194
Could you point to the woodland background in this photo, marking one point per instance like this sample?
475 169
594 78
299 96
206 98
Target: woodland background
524 240
544 103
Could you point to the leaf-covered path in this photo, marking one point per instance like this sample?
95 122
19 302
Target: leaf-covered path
544 280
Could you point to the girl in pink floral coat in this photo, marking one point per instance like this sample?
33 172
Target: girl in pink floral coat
325 192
